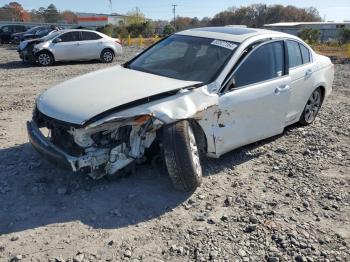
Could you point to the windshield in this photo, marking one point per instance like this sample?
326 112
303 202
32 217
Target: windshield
33 30
186 58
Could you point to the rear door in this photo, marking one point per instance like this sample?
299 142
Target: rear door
68 48
91 45
6 32
254 105
300 71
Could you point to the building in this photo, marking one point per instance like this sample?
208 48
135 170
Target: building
328 30
97 20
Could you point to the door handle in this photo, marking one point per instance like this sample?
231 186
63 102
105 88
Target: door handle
308 73
282 89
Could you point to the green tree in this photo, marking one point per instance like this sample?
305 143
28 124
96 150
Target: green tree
309 35
107 29
135 17
120 31
51 14
345 35
168 30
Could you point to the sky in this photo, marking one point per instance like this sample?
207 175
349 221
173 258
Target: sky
331 10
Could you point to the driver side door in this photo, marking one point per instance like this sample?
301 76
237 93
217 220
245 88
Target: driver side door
254 103
68 48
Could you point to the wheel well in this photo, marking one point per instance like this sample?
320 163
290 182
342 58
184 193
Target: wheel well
200 135
46 51
108 48
198 131
323 92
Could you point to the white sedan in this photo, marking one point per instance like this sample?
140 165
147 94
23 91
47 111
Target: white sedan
70 45
204 90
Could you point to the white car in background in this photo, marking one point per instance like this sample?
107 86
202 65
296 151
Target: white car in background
207 90
70 45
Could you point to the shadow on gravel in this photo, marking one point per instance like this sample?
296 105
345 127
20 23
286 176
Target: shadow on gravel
15 65
19 64
35 193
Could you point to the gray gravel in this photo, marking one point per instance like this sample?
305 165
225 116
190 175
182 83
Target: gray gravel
283 199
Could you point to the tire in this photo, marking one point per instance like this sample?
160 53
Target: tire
182 156
107 56
45 58
312 107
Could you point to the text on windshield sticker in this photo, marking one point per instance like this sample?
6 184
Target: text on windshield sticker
224 44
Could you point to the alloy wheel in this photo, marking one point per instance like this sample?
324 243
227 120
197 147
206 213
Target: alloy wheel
108 56
44 59
313 106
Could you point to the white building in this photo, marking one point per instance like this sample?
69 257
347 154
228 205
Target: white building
328 30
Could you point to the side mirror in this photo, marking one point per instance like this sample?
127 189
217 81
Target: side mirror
231 84
57 40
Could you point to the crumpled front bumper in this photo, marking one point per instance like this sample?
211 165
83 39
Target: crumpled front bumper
26 55
47 149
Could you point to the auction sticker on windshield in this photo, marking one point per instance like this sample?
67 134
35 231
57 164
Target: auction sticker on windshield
224 44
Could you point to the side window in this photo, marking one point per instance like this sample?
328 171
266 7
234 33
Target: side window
305 53
19 28
70 37
294 54
5 29
90 36
264 63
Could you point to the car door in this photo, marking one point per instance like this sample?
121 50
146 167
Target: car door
66 46
6 32
254 101
90 46
300 71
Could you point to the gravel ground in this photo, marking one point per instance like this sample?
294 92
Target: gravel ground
283 199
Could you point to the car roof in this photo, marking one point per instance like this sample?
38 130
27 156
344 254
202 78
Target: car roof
228 33
77 30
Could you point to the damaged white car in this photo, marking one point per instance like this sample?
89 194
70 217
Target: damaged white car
204 90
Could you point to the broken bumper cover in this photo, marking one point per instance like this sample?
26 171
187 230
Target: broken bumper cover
26 55
47 149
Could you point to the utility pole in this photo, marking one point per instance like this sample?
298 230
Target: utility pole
174 11
111 6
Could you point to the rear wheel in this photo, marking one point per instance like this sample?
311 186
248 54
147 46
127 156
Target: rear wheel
312 107
107 56
45 58
182 156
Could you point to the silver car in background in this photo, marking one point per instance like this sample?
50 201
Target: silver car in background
70 45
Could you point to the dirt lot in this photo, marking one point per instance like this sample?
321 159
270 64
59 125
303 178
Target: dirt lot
283 199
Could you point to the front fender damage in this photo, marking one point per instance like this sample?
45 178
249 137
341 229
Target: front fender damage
117 140
112 146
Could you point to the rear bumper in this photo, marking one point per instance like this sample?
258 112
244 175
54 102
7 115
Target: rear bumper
47 149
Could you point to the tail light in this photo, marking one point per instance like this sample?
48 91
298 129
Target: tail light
118 41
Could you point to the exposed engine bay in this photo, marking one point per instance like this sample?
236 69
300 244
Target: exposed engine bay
104 149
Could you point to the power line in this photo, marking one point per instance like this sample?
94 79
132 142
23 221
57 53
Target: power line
174 10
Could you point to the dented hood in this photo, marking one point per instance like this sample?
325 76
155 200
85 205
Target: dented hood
79 99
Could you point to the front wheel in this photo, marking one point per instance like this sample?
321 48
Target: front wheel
45 58
107 56
182 156
312 107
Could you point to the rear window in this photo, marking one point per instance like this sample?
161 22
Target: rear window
305 53
294 54
90 36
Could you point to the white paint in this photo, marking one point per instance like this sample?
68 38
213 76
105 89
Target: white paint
230 120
